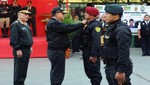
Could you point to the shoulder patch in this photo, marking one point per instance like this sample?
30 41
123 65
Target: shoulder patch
97 29
14 23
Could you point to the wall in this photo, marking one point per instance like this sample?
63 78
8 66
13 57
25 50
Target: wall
42 6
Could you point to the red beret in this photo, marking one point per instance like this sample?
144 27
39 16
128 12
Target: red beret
92 11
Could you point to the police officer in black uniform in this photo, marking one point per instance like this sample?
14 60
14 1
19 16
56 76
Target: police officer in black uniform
104 28
116 48
32 17
21 41
144 35
58 42
14 8
91 46
4 17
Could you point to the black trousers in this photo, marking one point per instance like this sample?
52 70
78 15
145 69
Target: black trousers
21 66
145 44
92 70
75 43
57 59
32 21
110 75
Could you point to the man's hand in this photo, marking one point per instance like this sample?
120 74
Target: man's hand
19 53
120 77
84 22
93 59
31 50
139 36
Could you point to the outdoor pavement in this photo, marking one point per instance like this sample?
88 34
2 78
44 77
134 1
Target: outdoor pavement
39 71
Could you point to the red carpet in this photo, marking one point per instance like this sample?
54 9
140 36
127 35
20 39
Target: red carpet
39 48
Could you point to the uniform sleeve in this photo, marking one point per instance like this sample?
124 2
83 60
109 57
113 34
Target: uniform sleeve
123 37
95 48
65 28
14 37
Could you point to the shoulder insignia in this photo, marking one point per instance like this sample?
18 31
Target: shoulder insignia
97 29
14 22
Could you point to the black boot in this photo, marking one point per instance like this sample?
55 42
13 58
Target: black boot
6 33
3 32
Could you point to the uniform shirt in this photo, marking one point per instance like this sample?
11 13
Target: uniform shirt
139 26
91 37
15 8
117 45
21 35
5 8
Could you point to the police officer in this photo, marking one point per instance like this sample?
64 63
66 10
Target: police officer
104 28
144 35
91 46
58 42
116 47
32 17
14 8
4 17
21 41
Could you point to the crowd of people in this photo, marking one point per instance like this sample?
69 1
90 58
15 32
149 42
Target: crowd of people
108 39
8 14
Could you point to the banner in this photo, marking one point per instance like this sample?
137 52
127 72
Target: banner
135 12
131 12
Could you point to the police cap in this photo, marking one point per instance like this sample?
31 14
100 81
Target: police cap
24 10
114 9
57 10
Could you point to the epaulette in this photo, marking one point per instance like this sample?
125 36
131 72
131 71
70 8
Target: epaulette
14 23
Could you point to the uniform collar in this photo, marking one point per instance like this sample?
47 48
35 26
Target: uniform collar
56 19
91 21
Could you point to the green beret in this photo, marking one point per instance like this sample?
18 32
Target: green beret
114 9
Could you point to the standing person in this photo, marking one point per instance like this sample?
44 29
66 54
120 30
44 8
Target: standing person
5 17
58 42
90 40
21 41
104 28
144 35
116 50
32 17
75 36
14 8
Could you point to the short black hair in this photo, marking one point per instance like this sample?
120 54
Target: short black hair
29 1
146 15
131 20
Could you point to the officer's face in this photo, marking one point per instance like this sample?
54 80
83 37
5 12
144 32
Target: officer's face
15 1
111 18
60 16
103 17
87 16
23 17
146 18
29 4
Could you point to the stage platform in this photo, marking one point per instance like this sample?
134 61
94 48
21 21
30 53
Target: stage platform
39 48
